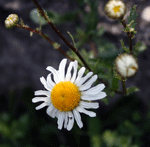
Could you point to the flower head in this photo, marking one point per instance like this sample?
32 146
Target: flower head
11 21
126 65
68 95
115 9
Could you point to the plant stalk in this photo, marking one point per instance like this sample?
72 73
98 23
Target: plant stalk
41 11
129 36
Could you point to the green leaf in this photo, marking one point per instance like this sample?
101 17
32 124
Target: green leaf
107 49
139 47
132 90
132 17
100 31
37 18
123 46
55 17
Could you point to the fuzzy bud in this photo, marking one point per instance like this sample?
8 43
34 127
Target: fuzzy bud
126 65
11 21
115 9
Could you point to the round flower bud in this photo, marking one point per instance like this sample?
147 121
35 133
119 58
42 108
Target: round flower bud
126 65
11 21
115 9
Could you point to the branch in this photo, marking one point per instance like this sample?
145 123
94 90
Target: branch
41 11
129 36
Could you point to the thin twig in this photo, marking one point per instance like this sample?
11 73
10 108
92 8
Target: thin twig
41 11
129 36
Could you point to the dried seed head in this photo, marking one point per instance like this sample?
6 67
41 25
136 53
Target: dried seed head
11 21
126 65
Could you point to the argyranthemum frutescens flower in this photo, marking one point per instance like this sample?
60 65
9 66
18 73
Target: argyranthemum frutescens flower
69 94
115 9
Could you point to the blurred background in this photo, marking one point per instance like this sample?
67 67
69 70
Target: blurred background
122 121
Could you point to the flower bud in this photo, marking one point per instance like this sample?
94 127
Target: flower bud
11 21
126 65
115 9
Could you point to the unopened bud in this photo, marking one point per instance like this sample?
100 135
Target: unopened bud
115 9
11 21
132 29
126 65
56 45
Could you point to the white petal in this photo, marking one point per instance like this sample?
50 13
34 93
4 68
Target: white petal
42 92
68 74
70 121
41 106
93 97
49 81
82 80
77 118
39 99
54 112
75 71
94 90
88 84
89 105
43 81
66 120
62 66
55 73
82 110
51 111
80 74
60 120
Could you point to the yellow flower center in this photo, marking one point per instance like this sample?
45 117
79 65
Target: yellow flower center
65 96
116 9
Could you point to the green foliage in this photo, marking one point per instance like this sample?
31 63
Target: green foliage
123 46
107 50
131 90
55 17
139 47
132 17
13 129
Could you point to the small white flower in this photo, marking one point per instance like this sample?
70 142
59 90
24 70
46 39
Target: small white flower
11 21
126 65
68 95
115 9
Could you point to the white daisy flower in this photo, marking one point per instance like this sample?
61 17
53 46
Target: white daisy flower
68 95
126 65
11 21
115 9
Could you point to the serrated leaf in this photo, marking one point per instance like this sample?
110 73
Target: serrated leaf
139 47
131 90
123 46
132 17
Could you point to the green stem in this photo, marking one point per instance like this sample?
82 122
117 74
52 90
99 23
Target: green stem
129 36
